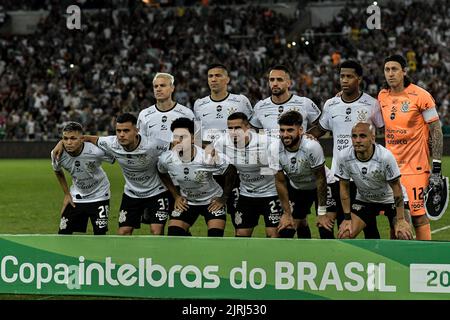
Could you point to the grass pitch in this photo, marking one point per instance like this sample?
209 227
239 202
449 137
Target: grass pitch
31 200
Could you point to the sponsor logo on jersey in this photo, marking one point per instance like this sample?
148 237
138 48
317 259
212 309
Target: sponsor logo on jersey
176 213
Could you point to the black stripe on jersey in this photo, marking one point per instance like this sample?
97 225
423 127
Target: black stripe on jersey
220 100
283 101
174 106
318 166
336 175
393 179
351 101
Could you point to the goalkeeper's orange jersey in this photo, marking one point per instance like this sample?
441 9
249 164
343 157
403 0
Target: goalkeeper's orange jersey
406 116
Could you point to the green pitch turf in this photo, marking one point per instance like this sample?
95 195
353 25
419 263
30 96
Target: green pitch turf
31 199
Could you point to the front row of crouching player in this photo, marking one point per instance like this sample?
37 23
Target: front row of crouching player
281 176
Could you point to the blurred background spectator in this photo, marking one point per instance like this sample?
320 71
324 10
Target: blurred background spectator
91 75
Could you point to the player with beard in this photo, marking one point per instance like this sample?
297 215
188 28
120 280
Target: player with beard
255 157
267 112
303 162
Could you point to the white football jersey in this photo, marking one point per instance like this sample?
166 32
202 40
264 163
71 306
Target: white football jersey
89 181
266 113
156 123
371 177
340 117
195 178
256 163
138 166
299 165
213 114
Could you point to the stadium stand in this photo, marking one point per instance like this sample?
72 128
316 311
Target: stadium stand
90 75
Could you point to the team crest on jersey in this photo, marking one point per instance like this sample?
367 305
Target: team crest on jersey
378 175
90 166
231 110
405 106
186 171
141 158
164 119
364 170
362 115
280 109
200 176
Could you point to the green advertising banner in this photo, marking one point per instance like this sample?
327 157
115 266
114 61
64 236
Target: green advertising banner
224 268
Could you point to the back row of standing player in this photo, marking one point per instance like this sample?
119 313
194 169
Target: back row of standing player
301 159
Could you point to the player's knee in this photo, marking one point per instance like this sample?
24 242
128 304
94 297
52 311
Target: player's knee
157 230
215 232
287 233
243 233
302 223
420 220
176 231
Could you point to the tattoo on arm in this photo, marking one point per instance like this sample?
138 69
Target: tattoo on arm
398 201
436 140
321 181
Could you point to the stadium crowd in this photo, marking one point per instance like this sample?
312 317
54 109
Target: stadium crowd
91 75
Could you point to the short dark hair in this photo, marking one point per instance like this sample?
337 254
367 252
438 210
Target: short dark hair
126 117
291 118
217 65
184 123
397 58
351 64
73 126
281 67
238 115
